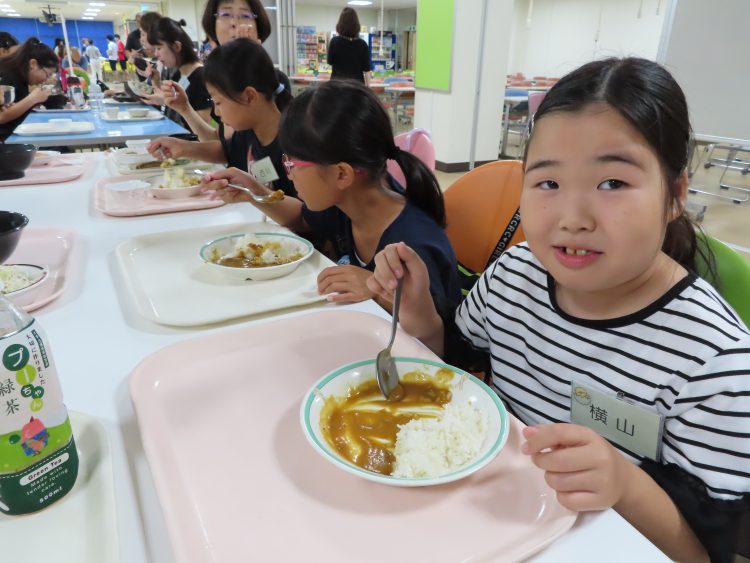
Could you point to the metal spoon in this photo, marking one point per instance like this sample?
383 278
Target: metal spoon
270 198
385 365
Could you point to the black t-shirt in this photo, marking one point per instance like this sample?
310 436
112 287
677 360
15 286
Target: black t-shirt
244 146
197 94
133 42
414 227
21 91
349 58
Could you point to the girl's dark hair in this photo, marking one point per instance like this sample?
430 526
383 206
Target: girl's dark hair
262 23
232 67
148 20
166 31
343 121
7 40
18 61
648 97
110 38
348 25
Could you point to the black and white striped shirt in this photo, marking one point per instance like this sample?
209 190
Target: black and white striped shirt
686 356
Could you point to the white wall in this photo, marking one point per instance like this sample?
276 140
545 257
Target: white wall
563 34
187 10
448 116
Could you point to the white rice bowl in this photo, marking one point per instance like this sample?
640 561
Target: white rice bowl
472 431
228 246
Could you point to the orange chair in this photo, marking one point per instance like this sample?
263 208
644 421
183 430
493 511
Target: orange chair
479 207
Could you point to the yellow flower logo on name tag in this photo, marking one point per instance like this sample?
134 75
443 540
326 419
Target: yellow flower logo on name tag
582 396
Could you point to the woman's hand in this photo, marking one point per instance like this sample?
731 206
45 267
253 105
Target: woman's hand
585 470
155 99
40 95
167 147
174 96
345 284
217 182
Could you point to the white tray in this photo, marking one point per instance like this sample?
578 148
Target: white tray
42 109
124 116
118 169
171 285
33 129
82 526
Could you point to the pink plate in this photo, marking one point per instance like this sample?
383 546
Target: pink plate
62 170
112 196
44 247
236 480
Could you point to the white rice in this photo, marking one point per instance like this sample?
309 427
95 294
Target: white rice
431 447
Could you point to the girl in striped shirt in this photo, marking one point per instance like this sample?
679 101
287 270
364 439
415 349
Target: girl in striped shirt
601 306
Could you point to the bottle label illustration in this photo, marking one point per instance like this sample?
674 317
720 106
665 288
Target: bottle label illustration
38 458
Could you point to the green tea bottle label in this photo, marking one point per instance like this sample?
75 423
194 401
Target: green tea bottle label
38 458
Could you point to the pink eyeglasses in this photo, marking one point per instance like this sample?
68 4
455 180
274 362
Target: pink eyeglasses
290 164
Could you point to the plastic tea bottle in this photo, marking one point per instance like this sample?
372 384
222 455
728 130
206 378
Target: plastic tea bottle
95 97
38 458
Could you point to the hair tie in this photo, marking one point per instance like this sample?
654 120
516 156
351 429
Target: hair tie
393 153
279 89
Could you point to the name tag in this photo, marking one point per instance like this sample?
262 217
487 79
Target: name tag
264 171
628 425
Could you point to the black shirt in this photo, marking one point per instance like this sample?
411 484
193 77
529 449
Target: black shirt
244 146
21 91
414 227
349 58
133 42
197 94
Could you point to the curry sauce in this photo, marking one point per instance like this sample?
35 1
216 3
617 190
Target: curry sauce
362 426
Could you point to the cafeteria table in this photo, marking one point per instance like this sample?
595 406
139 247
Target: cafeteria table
105 133
97 338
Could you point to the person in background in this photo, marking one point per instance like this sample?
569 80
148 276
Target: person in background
8 43
31 64
121 54
602 309
94 56
174 49
206 46
348 54
337 138
248 97
133 46
112 52
59 47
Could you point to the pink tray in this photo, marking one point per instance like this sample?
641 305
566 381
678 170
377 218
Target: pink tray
237 481
44 247
65 169
135 202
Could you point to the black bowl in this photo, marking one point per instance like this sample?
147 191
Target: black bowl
11 225
55 101
14 160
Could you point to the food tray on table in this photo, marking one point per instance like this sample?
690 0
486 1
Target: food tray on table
151 167
124 196
72 128
124 116
171 285
219 421
44 247
62 168
82 526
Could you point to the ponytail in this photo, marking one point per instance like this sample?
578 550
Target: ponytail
422 188
232 67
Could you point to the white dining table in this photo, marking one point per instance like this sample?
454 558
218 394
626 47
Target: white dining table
93 321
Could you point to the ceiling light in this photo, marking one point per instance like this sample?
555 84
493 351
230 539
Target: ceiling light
97 4
359 3
14 15
4 5
86 18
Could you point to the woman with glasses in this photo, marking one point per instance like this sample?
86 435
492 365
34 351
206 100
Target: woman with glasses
224 21
31 64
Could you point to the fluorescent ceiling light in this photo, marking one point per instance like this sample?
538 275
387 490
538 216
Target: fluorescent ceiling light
91 12
97 4
359 3
86 18
270 7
